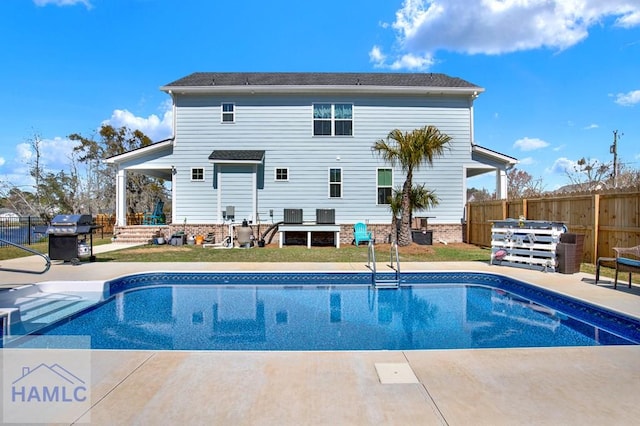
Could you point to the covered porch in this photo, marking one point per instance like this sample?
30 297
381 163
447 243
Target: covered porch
489 161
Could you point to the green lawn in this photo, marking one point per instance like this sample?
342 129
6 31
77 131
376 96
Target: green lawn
271 253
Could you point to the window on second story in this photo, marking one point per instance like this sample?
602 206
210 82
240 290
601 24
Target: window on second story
197 174
332 119
282 174
228 113
335 183
385 186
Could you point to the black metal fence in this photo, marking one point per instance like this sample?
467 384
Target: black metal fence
20 230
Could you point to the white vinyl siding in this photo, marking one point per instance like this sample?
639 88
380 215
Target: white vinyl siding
279 124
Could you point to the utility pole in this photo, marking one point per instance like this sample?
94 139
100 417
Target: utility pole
614 150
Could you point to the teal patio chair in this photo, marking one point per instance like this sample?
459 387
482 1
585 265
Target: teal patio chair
360 233
155 218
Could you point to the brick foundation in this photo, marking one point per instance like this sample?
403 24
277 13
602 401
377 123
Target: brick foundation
450 233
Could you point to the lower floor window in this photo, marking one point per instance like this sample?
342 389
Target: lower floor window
335 183
385 186
197 173
282 173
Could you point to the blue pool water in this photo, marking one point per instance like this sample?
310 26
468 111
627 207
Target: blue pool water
182 311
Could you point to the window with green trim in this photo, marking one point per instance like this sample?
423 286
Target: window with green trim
385 186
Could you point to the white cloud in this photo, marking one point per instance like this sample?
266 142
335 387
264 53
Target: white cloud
559 148
526 161
628 99
530 144
591 126
562 166
407 61
423 27
629 20
42 3
155 128
376 56
2 161
54 153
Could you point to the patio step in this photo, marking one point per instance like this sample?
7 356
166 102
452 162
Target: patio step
138 233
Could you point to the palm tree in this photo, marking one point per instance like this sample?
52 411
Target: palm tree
410 150
420 199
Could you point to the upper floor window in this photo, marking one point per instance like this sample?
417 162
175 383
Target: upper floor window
332 119
197 174
385 186
282 174
335 183
228 113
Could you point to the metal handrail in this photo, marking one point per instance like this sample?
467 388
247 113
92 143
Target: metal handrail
394 250
30 250
371 259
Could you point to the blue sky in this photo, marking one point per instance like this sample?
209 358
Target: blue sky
560 76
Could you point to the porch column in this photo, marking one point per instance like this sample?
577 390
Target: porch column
501 184
121 198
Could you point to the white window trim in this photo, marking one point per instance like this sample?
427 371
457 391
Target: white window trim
377 186
203 174
329 182
333 120
223 112
275 174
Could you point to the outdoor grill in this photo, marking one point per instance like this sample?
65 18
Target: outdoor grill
67 237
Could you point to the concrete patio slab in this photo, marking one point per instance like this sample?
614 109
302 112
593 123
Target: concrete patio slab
541 386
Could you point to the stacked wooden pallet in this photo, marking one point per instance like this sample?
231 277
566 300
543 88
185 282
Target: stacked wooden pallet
526 243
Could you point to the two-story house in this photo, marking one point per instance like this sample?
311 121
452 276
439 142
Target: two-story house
250 145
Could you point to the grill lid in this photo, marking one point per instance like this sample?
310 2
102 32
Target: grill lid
68 224
71 219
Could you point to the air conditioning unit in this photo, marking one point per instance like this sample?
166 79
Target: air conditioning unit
293 216
325 216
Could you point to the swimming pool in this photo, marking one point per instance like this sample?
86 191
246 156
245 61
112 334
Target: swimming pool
337 311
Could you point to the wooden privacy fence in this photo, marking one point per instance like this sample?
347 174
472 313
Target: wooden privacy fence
606 220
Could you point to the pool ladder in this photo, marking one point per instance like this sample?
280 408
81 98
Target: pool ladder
394 263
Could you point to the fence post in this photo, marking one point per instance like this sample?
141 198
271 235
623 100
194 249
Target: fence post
524 208
596 226
29 230
504 209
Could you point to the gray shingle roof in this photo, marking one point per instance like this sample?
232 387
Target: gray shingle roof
237 155
203 79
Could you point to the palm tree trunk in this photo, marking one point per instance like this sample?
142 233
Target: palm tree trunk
404 239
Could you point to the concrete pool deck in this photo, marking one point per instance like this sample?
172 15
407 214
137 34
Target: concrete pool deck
572 385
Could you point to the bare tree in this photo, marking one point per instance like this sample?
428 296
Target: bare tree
142 191
521 184
589 175
475 194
